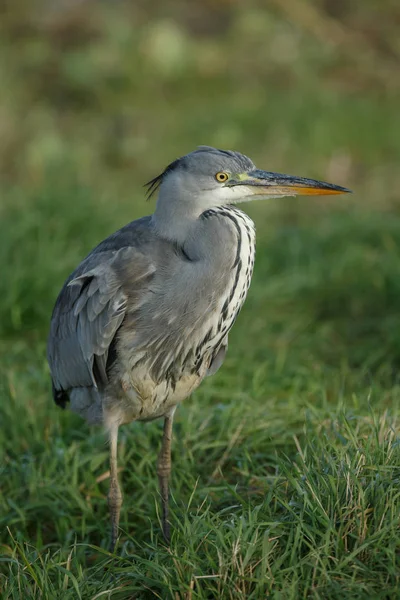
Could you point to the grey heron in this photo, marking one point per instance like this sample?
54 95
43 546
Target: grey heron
146 315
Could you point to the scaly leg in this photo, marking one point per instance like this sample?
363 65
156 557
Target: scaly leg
114 494
163 472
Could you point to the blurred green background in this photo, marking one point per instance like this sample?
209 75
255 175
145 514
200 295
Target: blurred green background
96 97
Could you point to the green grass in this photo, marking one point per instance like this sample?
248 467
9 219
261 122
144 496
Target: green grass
286 464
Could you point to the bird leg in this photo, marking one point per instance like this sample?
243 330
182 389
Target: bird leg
114 494
163 472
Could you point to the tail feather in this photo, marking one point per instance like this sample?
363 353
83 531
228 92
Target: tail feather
61 397
86 402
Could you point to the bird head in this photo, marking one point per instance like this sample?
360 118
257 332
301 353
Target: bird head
210 177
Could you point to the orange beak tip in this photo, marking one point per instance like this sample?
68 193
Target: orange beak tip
315 191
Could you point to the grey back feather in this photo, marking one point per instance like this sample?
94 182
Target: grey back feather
91 307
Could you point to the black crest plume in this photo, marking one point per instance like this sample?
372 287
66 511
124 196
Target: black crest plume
154 184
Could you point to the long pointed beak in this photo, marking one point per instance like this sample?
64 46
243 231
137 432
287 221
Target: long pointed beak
265 183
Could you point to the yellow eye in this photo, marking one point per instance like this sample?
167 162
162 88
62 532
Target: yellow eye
221 177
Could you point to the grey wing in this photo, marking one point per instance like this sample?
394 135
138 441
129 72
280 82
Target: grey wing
88 314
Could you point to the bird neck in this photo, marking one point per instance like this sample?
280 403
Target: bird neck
176 228
175 219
